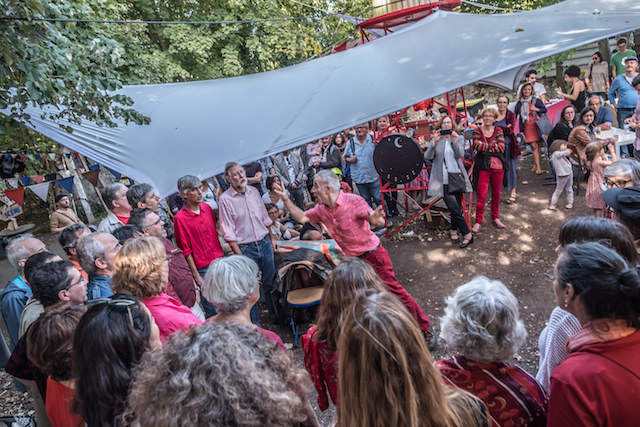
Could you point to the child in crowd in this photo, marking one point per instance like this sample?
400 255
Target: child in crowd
564 173
279 230
596 160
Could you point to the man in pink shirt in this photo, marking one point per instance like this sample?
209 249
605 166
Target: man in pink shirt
348 218
246 226
196 234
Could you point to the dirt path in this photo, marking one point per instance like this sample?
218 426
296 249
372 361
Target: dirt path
431 267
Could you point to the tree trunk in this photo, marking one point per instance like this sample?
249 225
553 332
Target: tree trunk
560 76
603 47
77 186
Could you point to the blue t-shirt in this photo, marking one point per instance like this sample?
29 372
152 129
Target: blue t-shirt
14 297
604 115
627 95
363 171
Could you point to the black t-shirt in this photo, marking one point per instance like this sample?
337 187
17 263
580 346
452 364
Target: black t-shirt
251 170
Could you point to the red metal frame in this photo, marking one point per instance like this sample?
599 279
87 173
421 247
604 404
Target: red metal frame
386 23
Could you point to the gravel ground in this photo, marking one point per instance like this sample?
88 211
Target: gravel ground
430 267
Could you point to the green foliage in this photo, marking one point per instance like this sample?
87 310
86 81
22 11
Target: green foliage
506 4
68 65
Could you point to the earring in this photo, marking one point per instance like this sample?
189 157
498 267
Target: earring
566 304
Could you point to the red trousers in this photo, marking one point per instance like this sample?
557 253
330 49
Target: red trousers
381 263
495 175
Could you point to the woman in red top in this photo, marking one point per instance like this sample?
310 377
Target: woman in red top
528 109
488 140
599 383
320 341
49 347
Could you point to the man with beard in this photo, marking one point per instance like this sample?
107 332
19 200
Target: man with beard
246 226
196 234
62 217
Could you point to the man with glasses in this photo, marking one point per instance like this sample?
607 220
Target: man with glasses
142 196
181 284
196 233
246 227
359 153
603 115
96 253
634 121
623 87
617 59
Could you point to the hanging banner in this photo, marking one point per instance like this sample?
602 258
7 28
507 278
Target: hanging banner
25 180
16 195
117 175
8 212
66 183
52 156
50 177
4 199
13 182
37 156
92 177
38 178
41 190
94 167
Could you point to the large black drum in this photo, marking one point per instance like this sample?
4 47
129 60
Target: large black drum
398 159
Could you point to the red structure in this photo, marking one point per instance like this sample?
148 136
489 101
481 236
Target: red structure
388 23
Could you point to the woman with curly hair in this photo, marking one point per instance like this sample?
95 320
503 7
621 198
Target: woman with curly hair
49 347
141 268
386 374
319 344
109 341
481 323
224 374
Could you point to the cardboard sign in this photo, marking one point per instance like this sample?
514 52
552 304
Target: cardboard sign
8 212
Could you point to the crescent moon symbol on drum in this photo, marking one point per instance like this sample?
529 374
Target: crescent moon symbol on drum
395 142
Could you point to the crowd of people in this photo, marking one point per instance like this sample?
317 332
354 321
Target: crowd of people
154 318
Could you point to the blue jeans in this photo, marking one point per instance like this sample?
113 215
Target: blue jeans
208 308
623 114
262 253
370 192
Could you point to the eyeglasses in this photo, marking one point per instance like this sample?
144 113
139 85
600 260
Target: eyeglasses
151 225
114 302
79 282
622 183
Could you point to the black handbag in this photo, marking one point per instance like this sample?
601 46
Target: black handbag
456 183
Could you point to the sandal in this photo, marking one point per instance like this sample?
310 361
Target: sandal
533 169
511 199
569 206
467 241
498 223
539 172
476 227
454 236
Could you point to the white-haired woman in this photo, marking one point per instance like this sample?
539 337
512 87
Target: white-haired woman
481 323
232 284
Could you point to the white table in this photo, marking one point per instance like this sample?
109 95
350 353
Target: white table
624 137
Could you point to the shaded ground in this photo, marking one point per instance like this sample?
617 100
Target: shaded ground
431 267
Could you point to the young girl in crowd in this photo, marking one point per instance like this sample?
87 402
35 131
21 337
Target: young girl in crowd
596 160
564 173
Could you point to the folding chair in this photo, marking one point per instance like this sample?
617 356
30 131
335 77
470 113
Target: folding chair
302 298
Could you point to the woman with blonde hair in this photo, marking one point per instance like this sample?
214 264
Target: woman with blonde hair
319 344
386 374
141 268
488 141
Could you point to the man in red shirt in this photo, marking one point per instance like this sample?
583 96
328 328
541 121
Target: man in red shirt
196 234
348 218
